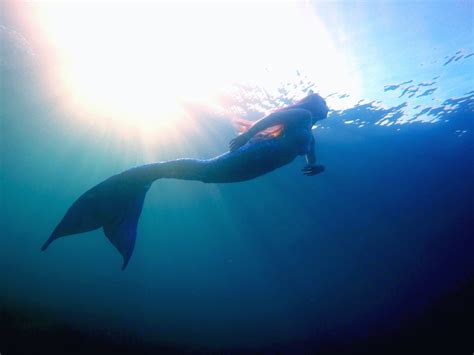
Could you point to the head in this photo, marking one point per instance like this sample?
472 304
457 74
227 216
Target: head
315 104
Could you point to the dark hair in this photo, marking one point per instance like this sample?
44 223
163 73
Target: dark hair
314 103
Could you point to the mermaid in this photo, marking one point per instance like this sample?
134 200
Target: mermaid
263 146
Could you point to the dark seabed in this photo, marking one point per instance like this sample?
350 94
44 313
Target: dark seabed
373 256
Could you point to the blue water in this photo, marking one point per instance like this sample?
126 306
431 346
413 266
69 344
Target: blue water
374 255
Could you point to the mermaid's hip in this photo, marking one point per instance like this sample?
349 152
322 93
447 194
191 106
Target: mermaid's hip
250 161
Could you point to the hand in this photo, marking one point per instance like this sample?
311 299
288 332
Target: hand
238 142
313 169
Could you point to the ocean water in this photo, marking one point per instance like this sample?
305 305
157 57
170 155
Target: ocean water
375 255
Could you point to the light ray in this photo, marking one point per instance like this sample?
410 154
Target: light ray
140 66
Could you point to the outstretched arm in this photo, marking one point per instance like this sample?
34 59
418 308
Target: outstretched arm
277 118
312 168
311 156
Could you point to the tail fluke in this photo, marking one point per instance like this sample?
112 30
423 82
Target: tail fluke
122 232
115 204
81 217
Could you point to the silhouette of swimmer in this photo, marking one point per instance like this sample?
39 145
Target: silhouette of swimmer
263 146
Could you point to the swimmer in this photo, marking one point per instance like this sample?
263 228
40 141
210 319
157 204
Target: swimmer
263 146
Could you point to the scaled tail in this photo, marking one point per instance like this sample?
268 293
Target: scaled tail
115 205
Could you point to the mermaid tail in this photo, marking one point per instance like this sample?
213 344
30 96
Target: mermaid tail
115 205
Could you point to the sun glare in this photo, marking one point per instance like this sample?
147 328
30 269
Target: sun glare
143 63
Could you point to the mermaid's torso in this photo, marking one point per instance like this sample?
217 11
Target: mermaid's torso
299 136
261 156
